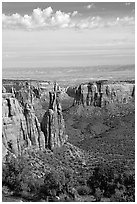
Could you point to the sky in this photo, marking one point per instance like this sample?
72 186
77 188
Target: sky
63 34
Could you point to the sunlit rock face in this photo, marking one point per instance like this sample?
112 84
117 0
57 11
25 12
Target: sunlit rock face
102 93
53 125
21 128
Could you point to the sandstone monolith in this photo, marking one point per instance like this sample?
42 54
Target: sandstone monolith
53 125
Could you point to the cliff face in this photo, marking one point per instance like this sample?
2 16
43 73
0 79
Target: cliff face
21 128
101 93
52 124
117 93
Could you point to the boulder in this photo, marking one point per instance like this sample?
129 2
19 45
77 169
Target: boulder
53 125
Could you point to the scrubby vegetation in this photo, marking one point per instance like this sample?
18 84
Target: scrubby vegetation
111 181
23 180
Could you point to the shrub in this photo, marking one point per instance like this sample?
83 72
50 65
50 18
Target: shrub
11 175
57 183
112 180
51 185
101 178
19 177
83 190
22 175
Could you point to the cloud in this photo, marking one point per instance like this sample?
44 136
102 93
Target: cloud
89 6
98 22
48 19
89 23
127 3
60 19
74 13
39 19
125 21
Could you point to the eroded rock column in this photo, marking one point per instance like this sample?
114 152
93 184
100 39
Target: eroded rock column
53 125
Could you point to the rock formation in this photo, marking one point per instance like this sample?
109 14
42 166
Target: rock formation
3 89
133 92
21 128
52 124
101 93
33 127
26 93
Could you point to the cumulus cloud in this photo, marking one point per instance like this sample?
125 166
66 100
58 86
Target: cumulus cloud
48 19
125 21
89 23
74 13
90 6
39 19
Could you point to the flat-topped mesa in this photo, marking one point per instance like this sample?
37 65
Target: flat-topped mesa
21 128
101 93
53 125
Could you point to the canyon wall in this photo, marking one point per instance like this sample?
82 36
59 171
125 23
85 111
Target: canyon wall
21 128
101 93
